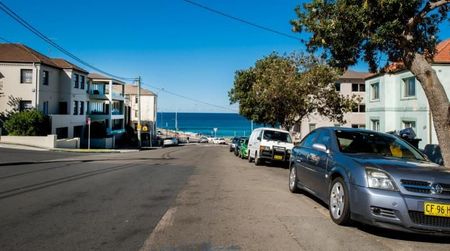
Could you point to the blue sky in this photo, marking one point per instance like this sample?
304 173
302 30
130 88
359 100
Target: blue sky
170 44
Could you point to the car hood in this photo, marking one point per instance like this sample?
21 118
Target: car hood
406 169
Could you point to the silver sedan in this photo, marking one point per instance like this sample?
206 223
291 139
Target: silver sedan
373 178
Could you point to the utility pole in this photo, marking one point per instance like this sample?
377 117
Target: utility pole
139 126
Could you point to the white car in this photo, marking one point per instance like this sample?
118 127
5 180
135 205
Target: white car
170 142
219 141
269 144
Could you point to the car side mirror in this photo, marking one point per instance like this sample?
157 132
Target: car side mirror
320 147
259 138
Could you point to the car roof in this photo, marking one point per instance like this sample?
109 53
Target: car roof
271 129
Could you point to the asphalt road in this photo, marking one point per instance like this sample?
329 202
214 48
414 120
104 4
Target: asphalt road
197 197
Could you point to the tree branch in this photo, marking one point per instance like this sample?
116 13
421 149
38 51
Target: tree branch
429 6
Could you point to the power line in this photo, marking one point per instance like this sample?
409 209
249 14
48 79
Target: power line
188 98
28 26
242 20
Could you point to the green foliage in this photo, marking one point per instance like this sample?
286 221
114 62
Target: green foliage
281 90
351 30
14 104
28 123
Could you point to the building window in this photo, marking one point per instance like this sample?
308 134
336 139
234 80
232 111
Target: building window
358 87
362 87
375 91
26 76
409 89
409 124
375 124
45 77
81 107
76 80
359 108
362 108
136 100
362 126
337 86
45 107
75 107
25 105
82 80
312 127
136 113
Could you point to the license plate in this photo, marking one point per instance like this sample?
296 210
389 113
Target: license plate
436 209
277 157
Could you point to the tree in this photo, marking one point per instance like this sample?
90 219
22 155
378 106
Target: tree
28 123
403 31
282 90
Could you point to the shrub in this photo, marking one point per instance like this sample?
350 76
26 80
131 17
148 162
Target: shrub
28 123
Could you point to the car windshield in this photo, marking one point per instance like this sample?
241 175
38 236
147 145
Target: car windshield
277 136
376 143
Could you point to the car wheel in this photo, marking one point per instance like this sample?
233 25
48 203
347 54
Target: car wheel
257 159
293 180
339 202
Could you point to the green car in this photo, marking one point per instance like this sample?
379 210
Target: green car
243 150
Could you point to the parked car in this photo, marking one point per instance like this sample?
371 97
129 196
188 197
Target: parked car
269 144
171 141
374 178
233 143
203 140
220 141
243 149
237 149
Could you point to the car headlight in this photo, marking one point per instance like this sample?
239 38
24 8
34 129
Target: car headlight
379 180
264 148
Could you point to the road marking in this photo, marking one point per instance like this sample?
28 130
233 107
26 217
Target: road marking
166 221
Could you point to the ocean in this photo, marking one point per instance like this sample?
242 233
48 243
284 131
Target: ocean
227 124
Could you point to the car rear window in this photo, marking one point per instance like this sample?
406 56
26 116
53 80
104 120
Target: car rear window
277 136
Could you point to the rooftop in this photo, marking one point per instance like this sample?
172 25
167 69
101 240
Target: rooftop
132 90
98 76
64 64
19 53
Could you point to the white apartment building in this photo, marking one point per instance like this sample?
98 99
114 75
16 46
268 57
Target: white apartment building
350 83
148 108
106 106
396 100
53 86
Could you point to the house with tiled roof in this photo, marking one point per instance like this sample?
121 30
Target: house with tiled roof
395 99
54 86
350 83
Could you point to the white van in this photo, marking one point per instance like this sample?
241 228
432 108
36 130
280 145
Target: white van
269 144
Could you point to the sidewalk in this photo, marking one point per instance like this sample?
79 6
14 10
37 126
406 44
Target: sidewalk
34 148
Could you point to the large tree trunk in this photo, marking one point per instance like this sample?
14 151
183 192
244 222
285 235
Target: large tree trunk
437 100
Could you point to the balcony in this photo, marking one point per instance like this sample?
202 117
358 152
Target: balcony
97 94
117 96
